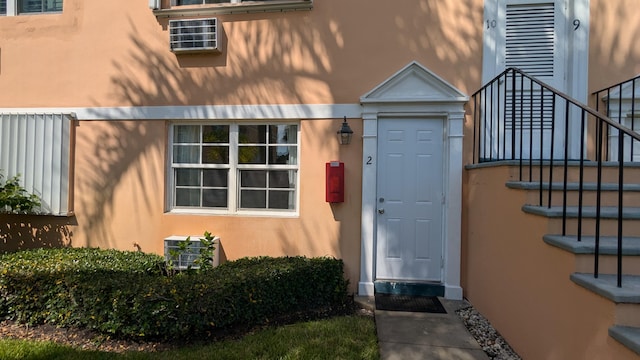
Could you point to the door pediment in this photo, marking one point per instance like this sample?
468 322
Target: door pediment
414 83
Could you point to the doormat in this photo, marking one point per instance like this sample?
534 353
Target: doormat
391 302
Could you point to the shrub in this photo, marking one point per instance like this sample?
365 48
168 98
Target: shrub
130 300
14 198
36 285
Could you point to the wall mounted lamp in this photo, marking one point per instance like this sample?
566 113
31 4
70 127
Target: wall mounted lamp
345 133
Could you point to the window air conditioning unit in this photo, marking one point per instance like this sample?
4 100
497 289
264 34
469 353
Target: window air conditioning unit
184 259
194 36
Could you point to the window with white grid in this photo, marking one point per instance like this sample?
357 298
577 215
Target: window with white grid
18 7
234 168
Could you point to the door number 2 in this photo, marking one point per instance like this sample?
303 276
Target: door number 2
369 160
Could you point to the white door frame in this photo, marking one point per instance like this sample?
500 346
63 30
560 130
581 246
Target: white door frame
417 92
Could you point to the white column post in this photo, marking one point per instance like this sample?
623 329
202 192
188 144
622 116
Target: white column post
452 289
369 173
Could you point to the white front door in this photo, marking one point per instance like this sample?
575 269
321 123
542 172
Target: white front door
410 200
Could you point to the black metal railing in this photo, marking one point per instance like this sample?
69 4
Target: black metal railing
619 103
519 118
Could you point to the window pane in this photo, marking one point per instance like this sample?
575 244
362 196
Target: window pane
283 134
253 199
282 179
186 134
214 198
30 6
215 178
53 5
3 7
196 2
252 155
281 200
252 134
283 155
215 134
215 154
187 197
186 154
187 177
253 178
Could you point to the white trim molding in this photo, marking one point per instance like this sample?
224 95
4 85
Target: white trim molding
204 112
417 92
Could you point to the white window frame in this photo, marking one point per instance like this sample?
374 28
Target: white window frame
203 2
12 10
233 185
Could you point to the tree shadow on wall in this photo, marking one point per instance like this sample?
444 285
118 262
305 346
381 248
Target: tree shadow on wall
23 232
266 60
150 75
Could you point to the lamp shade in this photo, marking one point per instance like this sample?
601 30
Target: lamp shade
345 133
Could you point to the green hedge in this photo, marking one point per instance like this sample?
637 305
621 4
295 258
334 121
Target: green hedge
124 294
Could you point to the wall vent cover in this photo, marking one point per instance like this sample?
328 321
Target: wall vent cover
194 35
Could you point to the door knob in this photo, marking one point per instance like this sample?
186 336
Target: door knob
380 211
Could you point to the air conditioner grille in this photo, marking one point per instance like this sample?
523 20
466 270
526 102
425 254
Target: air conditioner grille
196 35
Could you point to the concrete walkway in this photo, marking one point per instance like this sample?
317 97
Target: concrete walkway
413 335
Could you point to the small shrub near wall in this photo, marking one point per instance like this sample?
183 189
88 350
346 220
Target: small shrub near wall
125 294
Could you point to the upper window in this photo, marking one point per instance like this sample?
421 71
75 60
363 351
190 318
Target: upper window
15 7
234 168
39 6
199 2
178 8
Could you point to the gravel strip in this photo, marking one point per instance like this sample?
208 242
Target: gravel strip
489 339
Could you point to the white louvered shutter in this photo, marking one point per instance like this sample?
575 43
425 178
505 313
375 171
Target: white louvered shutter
530 39
37 147
531 44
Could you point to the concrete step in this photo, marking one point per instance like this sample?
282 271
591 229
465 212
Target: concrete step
606 212
590 173
608 194
584 251
606 286
608 219
628 336
627 304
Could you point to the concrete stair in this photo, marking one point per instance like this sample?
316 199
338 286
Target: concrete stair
626 298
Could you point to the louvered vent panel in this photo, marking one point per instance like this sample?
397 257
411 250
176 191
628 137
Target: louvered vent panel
36 146
530 38
533 110
196 35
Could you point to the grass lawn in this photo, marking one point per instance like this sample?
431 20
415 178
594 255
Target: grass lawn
346 337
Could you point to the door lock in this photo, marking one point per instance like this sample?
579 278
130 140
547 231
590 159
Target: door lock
380 211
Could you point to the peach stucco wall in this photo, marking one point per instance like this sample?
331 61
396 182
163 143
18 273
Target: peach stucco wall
522 284
120 187
614 53
116 53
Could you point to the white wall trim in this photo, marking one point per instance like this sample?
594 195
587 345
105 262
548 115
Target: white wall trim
203 112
